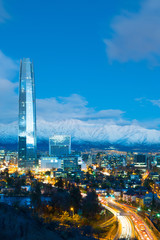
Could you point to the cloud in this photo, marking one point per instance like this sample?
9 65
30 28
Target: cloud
150 124
3 13
49 109
139 99
136 36
155 102
8 96
72 107
7 66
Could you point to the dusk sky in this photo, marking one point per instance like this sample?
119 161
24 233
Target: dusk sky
95 61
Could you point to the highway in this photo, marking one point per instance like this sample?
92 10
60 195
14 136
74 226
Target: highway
126 227
144 232
140 227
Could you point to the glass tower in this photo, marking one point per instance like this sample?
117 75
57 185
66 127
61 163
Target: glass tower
59 145
27 152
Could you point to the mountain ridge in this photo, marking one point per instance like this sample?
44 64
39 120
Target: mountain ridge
86 132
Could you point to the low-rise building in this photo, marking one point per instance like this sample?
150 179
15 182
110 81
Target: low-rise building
49 162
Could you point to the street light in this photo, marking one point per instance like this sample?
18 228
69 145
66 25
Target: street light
72 210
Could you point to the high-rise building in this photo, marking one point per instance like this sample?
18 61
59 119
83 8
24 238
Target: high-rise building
157 160
140 161
70 163
59 145
130 158
2 155
27 152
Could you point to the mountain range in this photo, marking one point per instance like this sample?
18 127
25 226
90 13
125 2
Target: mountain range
87 133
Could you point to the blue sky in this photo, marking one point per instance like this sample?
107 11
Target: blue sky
93 59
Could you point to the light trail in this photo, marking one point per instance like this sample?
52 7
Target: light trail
126 231
141 227
144 232
126 228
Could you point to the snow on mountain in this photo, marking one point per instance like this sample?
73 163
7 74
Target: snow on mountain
81 131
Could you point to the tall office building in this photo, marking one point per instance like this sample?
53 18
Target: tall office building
140 161
59 145
157 160
27 152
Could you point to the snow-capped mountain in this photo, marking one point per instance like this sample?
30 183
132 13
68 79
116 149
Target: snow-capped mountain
86 131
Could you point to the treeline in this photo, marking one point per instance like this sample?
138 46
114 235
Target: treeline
69 200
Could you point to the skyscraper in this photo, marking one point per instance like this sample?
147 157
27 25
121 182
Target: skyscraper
140 161
59 145
27 152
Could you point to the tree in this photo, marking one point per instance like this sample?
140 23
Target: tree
36 195
91 207
60 183
10 181
88 176
18 186
147 183
48 173
75 198
30 175
19 182
153 204
6 173
60 201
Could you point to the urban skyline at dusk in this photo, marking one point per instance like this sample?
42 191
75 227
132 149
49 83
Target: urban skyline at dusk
79 120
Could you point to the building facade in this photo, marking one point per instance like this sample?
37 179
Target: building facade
140 161
49 163
27 150
59 145
157 160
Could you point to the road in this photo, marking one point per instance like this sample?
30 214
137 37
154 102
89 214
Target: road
144 232
126 227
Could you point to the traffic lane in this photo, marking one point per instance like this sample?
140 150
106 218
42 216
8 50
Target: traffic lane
141 227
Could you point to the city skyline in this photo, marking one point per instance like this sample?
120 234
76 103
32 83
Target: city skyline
105 84
80 120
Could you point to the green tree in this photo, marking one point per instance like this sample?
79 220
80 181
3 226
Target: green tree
60 201
36 195
147 183
10 181
18 186
153 204
91 206
30 175
75 198
60 183
48 173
